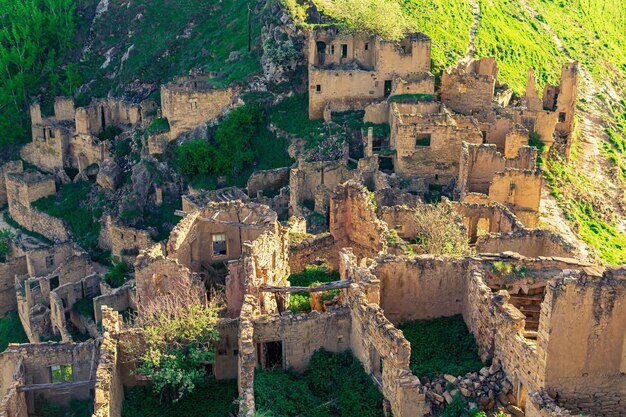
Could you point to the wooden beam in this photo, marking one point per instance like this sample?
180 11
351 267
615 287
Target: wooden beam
335 285
64 385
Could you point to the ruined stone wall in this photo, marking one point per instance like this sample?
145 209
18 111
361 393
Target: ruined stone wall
12 402
439 160
109 390
302 335
11 166
319 247
378 344
119 299
8 271
308 176
124 242
42 262
480 219
597 306
269 181
421 288
104 113
22 190
86 150
469 87
401 219
480 163
520 190
353 218
49 147
531 243
186 107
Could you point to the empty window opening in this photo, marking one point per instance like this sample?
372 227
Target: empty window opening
61 373
484 133
52 134
318 88
562 117
376 362
49 261
422 140
511 189
219 245
194 105
385 164
161 283
344 50
387 90
332 49
102 118
367 46
54 282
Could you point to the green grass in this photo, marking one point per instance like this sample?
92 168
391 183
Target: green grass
16 225
412 98
163 218
441 346
11 330
334 385
313 274
160 48
84 306
211 398
447 22
583 209
71 205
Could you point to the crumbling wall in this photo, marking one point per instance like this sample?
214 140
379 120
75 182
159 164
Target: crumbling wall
592 311
104 113
421 288
469 86
490 218
269 182
378 344
317 248
119 299
26 187
520 190
8 271
302 335
11 166
109 392
353 218
188 102
124 242
227 351
527 242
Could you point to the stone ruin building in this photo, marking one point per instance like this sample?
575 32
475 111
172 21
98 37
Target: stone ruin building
548 326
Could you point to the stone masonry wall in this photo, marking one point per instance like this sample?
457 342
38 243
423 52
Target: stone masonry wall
11 166
8 271
109 395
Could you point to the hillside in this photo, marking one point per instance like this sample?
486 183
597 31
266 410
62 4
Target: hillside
127 49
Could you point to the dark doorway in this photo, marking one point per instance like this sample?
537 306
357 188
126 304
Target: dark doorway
273 355
103 119
344 50
54 283
321 52
387 88
385 164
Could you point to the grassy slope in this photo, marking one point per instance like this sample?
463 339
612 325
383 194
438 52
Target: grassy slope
169 37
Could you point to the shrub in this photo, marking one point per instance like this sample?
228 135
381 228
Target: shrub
441 346
11 330
5 239
440 231
211 398
159 125
109 133
116 277
195 157
84 307
456 408
334 385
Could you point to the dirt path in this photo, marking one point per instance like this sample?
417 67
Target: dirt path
471 48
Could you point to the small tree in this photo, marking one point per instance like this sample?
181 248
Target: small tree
180 333
441 231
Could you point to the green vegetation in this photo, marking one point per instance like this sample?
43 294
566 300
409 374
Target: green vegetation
211 398
441 346
580 200
313 274
447 23
456 408
11 330
71 204
508 270
76 408
16 225
123 147
241 145
334 385
163 218
383 18
165 38
118 275
5 239
159 125
84 307
412 98
180 334
109 133
31 51
439 230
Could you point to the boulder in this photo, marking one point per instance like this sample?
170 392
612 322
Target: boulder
110 174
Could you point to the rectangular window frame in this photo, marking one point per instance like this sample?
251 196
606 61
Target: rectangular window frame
219 252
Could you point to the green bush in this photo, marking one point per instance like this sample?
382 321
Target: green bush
11 330
159 125
123 147
334 385
84 307
313 274
441 346
117 276
5 239
76 408
211 398
195 157
109 133
456 408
